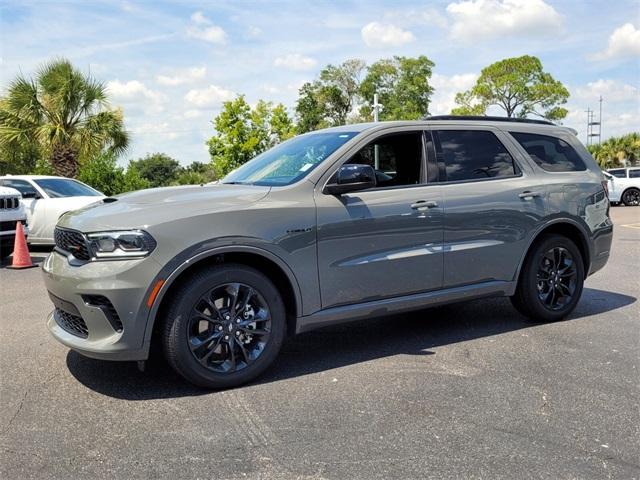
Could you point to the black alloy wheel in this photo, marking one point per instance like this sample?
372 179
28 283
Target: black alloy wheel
556 278
631 197
229 327
223 326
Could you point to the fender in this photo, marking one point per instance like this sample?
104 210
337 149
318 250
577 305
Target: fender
194 254
582 228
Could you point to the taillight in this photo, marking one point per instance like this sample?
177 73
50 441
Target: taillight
605 186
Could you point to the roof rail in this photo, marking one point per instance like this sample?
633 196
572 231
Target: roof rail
482 118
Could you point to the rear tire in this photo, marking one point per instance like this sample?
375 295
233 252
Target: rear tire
224 326
551 280
631 197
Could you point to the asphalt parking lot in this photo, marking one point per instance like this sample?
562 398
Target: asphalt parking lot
464 391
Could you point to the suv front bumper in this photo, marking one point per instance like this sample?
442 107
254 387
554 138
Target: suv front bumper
88 326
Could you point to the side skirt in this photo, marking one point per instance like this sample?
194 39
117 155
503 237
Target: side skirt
388 306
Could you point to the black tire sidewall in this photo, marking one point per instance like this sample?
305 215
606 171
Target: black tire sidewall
178 317
529 299
624 195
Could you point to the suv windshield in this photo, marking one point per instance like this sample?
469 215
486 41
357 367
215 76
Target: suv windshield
63 187
290 161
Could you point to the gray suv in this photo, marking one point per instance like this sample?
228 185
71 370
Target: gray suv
340 224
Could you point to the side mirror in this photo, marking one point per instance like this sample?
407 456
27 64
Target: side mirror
30 195
351 178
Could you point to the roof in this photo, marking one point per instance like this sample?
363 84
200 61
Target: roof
29 177
501 123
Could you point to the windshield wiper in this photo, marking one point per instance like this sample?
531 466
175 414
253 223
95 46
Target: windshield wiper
235 183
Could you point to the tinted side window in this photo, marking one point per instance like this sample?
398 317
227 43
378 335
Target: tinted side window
20 185
474 155
634 173
550 153
620 173
396 158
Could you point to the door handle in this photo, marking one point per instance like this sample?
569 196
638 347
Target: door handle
424 205
528 195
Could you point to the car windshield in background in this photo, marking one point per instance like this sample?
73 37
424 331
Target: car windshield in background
290 161
62 187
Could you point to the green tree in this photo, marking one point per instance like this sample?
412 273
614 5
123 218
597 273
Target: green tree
158 169
615 151
195 174
331 98
133 180
103 173
243 132
519 86
402 85
63 112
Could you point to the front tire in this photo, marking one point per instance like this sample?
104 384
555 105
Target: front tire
551 280
224 326
631 197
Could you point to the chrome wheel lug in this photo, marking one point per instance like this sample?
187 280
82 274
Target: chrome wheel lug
226 337
237 333
227 317
219 328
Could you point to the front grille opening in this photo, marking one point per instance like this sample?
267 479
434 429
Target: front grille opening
72 242
107 308
9 203
71 323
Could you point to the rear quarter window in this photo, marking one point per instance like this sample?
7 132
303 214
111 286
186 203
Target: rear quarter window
550 153
634 173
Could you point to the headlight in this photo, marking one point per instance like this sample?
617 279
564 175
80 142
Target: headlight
120 245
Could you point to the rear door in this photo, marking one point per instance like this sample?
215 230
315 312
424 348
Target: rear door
491 204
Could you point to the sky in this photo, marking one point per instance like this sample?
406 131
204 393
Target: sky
171 65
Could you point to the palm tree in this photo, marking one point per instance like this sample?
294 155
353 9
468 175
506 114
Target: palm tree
65 113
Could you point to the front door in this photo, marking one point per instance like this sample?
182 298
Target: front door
386 241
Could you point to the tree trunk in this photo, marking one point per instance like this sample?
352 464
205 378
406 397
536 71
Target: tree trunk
64 161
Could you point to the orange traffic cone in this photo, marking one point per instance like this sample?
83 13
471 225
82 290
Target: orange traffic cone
21 257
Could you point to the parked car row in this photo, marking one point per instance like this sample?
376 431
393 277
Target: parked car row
624 185
12 211
46 199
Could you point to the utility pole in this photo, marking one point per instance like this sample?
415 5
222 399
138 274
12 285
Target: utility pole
591 123
377 107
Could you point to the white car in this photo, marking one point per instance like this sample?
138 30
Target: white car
47 198
624 185
11 212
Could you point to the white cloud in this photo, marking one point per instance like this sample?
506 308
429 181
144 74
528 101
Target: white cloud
611 91
295 61
623 42
377 34
203 29
212 96
199 19
474 19
135 92
162 128
253 31
445 89
192 113
181 77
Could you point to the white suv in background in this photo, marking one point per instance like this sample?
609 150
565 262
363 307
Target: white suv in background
624 185
46 199
11 212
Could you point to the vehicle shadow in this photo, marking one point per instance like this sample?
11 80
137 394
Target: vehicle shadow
415 333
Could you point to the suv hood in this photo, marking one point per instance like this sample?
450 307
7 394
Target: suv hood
145 208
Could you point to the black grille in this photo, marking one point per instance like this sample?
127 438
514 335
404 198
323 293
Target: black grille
107 308
9 203
10 225
71 323
72 242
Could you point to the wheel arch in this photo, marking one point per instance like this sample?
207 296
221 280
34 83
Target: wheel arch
262 260
567 228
